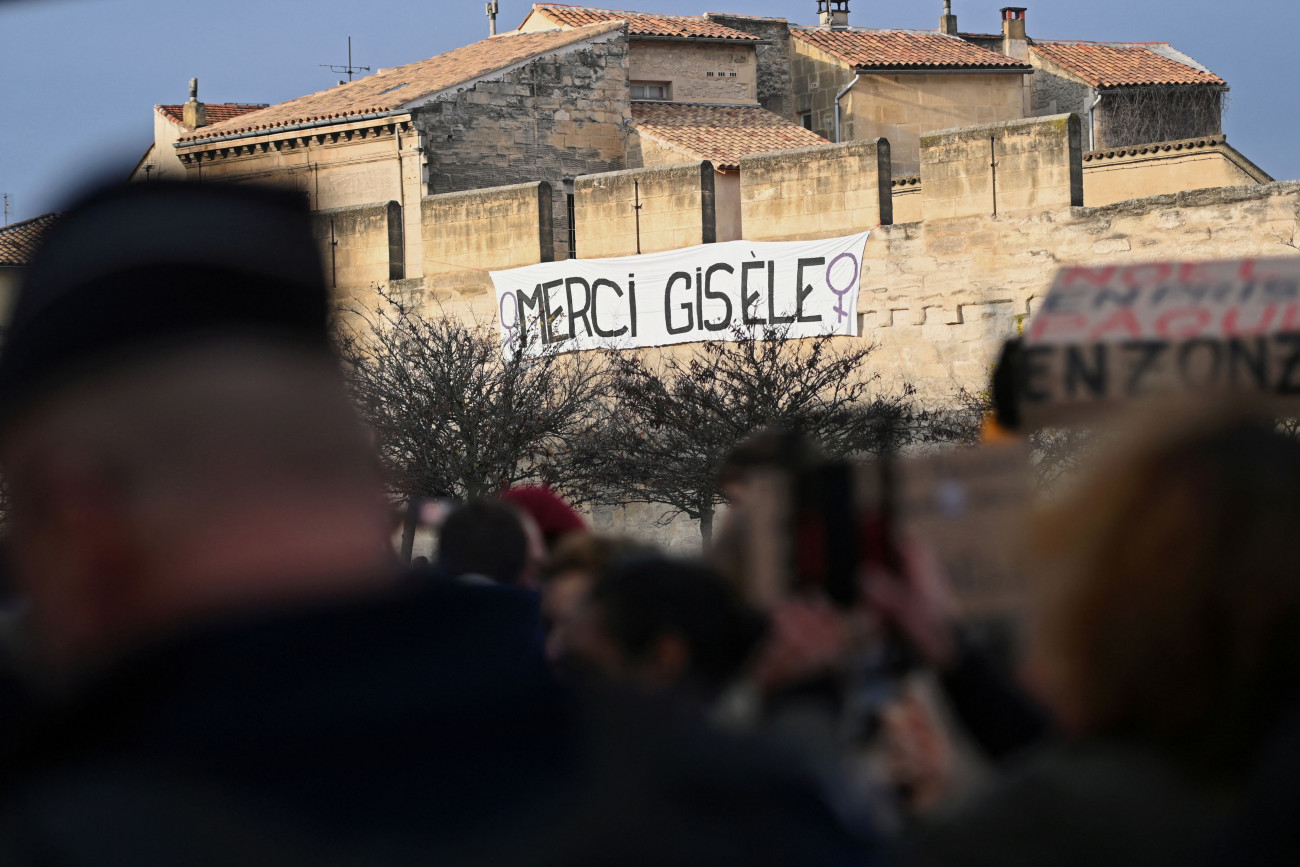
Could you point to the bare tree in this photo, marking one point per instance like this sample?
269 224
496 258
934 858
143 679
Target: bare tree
453 417
674 416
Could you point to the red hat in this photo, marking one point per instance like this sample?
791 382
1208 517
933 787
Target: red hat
554 517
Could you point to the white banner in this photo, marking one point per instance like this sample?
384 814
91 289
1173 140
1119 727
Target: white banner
803 288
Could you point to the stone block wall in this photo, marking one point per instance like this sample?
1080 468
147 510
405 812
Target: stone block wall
1003 168
361 246
939 296
678 209
775 82
907 199
470 233
816 192
707 72
551 119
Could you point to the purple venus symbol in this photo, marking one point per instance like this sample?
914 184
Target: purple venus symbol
512 325
848 287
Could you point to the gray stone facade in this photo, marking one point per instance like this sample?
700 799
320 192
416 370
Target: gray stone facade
775 81
553 119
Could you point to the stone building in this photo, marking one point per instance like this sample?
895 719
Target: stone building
562 97
18 242
853 84
170 122
1129 94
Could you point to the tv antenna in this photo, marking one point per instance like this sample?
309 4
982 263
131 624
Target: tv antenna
349 69
6 209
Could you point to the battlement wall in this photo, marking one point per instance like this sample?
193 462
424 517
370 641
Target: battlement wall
677 208
815 192
466 235
941 287
939 296
361 246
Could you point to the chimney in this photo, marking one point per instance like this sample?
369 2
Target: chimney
833 13
1015 43
195 113
948 21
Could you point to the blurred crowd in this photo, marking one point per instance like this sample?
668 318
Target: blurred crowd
213 653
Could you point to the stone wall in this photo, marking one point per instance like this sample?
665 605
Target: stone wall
817 192
468 234
1026 165
1167 167
678 209
727 205
775 82
551 119
907 199
361 247
938 296
708 72
1058 92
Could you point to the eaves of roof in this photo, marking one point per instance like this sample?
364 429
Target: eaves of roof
392 91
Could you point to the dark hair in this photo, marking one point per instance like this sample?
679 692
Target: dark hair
591 553
484 538
644 600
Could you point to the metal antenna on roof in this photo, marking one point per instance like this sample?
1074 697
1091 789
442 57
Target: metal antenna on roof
349 69
492 10
6 209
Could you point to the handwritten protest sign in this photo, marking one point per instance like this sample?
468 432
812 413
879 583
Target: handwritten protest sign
1107 335
804 289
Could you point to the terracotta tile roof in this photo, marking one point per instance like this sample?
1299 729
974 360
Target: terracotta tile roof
642 23
218 112
1120 64
721 134
904 49
390 89
18 241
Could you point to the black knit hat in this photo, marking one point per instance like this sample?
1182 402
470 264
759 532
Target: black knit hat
147 267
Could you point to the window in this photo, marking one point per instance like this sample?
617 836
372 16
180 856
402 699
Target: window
651 90
806 119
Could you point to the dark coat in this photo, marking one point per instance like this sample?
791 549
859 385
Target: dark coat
1085 804
419 726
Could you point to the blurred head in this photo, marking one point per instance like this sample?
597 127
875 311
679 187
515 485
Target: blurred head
485 538
568 574
1176 616
667 624
174 432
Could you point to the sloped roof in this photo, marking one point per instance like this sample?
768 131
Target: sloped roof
1125 64
18 241
390 89
904 49
642 23
721 134
218 112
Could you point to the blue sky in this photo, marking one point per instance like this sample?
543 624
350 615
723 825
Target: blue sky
81 76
